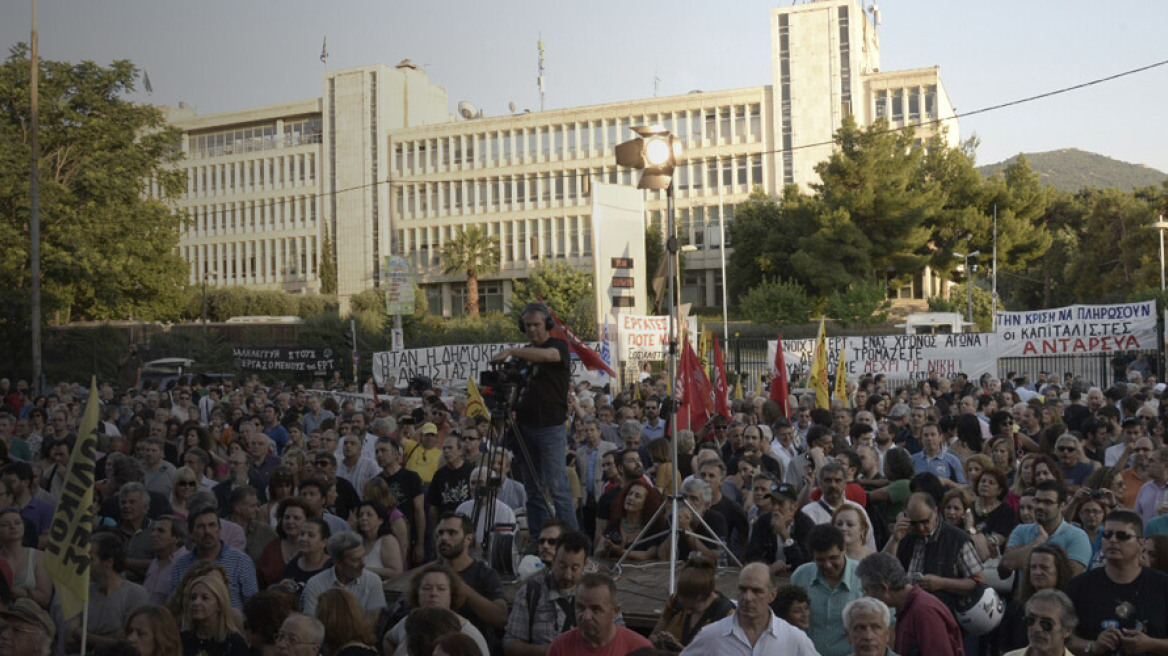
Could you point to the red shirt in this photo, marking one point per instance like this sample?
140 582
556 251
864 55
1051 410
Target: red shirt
853 492
926 626
571 643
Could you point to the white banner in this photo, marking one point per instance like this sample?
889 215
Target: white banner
915 357
1077 329
449 366
642 337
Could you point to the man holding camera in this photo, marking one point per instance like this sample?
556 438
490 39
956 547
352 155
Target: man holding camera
540 414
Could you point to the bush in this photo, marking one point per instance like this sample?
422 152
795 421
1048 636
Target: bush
776 301
864 303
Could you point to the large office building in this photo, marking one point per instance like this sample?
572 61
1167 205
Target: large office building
380 165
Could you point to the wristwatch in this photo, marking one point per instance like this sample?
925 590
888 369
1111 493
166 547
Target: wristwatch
789 542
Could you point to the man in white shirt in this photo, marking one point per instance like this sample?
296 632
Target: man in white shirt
355 467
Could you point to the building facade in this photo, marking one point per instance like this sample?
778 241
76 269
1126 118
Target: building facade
379 165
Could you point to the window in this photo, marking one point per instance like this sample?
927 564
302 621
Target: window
897 106
881 104
931 102
755 122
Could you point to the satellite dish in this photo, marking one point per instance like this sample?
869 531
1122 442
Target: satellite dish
511 106
467 110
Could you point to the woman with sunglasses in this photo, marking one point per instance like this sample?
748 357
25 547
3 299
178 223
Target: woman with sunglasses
185 484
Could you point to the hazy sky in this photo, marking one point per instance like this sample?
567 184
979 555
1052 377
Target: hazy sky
219 55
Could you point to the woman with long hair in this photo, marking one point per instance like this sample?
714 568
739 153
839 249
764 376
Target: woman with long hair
973 467
185 483
432 586
1110 482
153 631
208 625
346 633
1024 479
661 453
1155 553
969 438
383 553
1046 469
993 518
1087 509
282 485
312 559
29 577
177 603
694 605
285 546
1047 568
377 489
633 507
296 459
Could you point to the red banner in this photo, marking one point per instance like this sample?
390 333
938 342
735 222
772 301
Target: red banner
721 391
779 392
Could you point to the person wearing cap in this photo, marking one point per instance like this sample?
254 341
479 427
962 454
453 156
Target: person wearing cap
541 415
779 537
26 630
423 457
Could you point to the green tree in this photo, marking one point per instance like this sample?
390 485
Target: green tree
754 255
475 253
109 232
863 303
1122 256
328 267
566 290
776 301
958 302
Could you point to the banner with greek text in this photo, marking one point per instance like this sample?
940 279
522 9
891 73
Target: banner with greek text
285 360
447 366
642 337
914 357
1077 330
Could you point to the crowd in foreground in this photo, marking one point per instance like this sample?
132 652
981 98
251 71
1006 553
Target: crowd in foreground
239 518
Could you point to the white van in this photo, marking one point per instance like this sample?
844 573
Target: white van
936 323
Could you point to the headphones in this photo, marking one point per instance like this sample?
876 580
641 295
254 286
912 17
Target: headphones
536 307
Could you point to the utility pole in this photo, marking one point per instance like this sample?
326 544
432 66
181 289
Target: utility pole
34 211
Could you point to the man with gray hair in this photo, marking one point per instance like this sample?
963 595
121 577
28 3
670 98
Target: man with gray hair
924 625
29 631
868 627
347 550
832 482
500 514
300 635
1050 622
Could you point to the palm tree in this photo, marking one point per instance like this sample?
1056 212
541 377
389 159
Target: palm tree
474 252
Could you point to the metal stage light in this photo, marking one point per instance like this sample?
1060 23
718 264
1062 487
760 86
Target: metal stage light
656 152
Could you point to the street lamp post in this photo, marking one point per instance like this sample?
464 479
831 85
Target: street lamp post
206 276
968 280
1161 226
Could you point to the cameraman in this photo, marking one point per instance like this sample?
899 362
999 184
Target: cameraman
541 414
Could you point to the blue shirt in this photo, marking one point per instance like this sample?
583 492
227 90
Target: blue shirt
945 465
827 605
241 574
1157 526
279 435
1068 536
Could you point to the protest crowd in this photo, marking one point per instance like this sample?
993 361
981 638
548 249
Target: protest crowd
1022 515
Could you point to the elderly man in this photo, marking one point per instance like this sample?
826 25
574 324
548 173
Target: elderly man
753 629
596 632
1050 623
1076 468
589 467
924 625
26 630
300 635
500 514
1152 499
543 608
868 627
942 554
831 583
1122 606
780 537
348 572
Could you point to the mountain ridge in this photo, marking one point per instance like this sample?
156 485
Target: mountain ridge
1071 169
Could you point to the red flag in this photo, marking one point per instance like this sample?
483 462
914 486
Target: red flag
721 392
697 392
589 358
779 392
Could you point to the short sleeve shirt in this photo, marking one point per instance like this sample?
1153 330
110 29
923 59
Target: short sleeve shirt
1068 536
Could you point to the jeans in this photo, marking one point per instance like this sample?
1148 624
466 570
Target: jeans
547 452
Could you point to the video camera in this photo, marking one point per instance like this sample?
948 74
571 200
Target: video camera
502 384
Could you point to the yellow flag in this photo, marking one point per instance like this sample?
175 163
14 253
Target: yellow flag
738 387
474 401
704 349
841 379
818 381
67 553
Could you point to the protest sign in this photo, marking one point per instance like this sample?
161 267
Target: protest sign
914 357
642 337
1077 329
284 360
446 366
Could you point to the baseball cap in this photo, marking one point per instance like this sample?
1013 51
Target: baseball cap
784 492
429 429
27 610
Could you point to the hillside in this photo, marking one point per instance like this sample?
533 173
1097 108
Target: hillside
1071 169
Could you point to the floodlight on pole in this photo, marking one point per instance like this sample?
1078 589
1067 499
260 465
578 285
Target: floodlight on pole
655 152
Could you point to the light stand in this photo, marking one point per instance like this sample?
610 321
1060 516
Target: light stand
657 152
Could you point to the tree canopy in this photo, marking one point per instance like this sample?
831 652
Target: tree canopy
473 252
109 234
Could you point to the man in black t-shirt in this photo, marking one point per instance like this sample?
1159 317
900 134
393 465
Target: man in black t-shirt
406 487
1122 606
451 483
541 413
485 605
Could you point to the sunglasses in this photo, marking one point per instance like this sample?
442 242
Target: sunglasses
1067 449
186 483
322 463
1046 623
551 541
919 522
1119 536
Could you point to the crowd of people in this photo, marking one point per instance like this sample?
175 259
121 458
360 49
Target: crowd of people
942 517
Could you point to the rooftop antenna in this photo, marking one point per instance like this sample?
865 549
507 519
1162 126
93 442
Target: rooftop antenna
656 84
875 11
511 106
542 65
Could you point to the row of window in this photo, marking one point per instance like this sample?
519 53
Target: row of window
255 138
892 103
254 261
252 176
520 240
287 213
455 197
720 125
